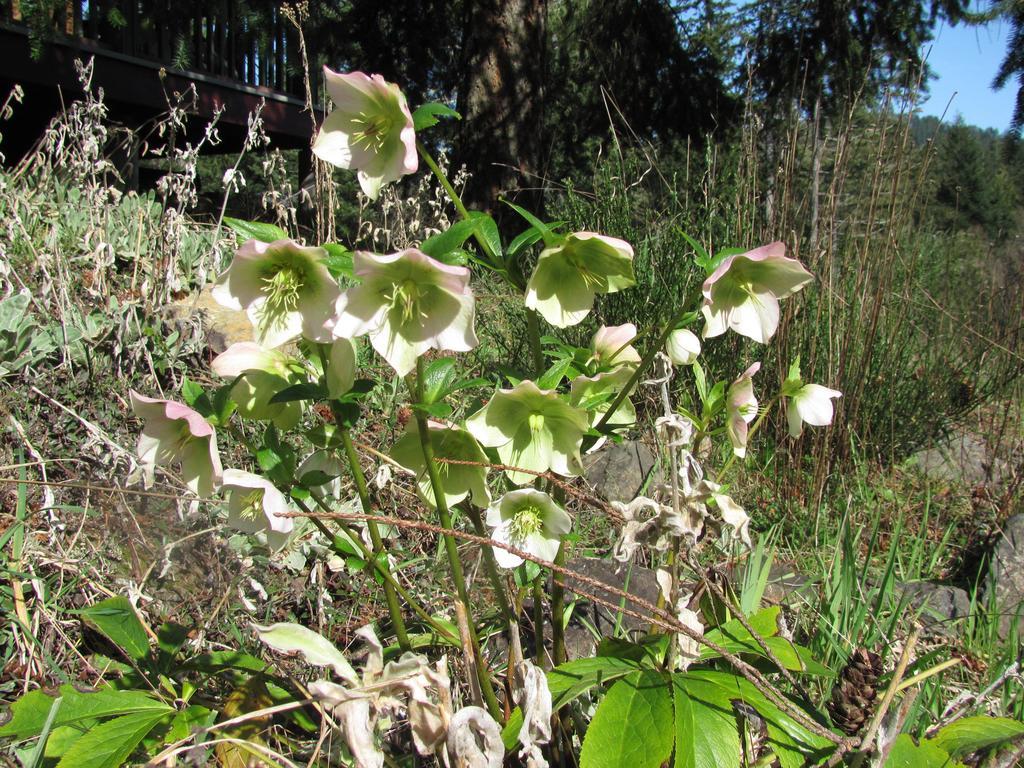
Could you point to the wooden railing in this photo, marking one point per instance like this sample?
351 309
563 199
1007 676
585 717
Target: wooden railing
212 38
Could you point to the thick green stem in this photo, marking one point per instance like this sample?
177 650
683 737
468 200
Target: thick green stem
558 611
533 333
648 359
378 564
538 619
378 543
451 549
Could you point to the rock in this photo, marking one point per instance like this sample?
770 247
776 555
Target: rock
939 605
962 459
634 579
618 470
787 587
1005 584
223 326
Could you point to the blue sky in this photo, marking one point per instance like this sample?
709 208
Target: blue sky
965 60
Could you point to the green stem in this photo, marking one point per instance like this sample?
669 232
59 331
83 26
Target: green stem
558 611
379 564
378 543
451 549
750 434
538 619
533 333
648 358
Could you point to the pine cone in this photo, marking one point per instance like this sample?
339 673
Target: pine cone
853 696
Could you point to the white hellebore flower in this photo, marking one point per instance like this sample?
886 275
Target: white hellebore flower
741 409
611 347
284 287
531 428
370 130
682 347
264 372
254 505
811 404
174 433
743 292
568 276
408 303
528 520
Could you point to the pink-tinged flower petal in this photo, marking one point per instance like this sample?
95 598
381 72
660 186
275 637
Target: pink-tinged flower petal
743 292
611 345
174 433
285 288
248 356
741 409
811 404
370 130
408 303
682 347
341 367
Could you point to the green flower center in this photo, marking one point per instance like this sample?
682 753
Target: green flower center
525 523
405 298
282 289
536 421
372 130
252 505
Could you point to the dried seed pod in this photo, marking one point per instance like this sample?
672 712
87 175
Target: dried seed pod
854 694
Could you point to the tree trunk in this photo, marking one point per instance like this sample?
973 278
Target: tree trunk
501 100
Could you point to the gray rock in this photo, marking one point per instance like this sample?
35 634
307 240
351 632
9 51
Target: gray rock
618 470
939 606
1005 583
787 587
634 579
963 459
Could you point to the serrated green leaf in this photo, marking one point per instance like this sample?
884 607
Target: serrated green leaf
705 727
437 378
451 239
426 115
734 637
567 682
633 725
30 711
906 754
553 376
973 733
190 392
487 230
793 744
108 744
256 230
116 619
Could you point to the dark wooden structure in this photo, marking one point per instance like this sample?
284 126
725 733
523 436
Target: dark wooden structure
145 51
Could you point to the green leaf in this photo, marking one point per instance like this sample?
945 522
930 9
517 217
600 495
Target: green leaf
567 682
793 744
451 239
488 231
435 410
12 311
256 230
550 238
734 637
116 619
701 256
973 733
906 754
706 731
338 261
553 376
30 711
315 648
109 744
305 391
633 725
426 115
191 392
438 378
